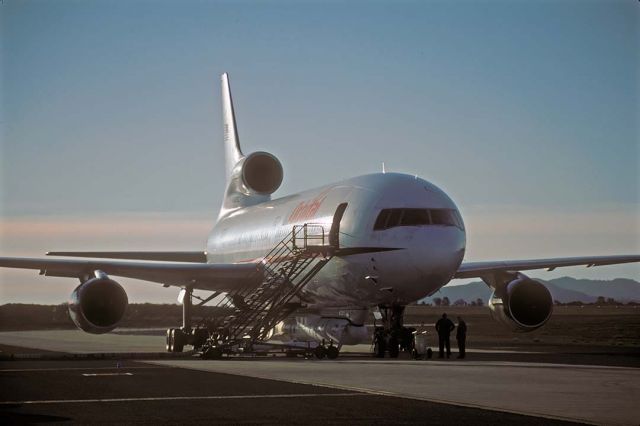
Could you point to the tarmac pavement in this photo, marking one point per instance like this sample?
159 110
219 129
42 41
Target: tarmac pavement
486 388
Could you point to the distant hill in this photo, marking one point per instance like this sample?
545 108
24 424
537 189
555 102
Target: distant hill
564 290
566 295
621 289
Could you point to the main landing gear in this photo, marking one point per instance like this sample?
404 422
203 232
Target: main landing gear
392 336
178 338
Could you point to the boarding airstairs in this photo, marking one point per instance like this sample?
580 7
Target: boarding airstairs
251 313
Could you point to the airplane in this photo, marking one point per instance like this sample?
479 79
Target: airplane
308 269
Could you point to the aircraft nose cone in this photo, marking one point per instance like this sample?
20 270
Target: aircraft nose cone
437 254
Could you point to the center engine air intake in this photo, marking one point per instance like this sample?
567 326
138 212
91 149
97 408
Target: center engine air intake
97 305
261 173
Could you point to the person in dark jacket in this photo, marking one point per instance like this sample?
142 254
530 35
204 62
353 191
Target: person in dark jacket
461 337
444 327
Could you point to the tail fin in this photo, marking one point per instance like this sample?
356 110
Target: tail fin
250 179
232 151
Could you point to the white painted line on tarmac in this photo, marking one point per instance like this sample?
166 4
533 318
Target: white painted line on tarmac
31 370
183 398
106 374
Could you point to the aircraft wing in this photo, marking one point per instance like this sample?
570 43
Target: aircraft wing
168 256
481 269
203 276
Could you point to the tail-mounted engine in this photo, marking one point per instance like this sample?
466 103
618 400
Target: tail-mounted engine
97 305
519 302
253 179
259 173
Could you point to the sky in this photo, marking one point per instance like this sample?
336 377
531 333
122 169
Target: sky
525 112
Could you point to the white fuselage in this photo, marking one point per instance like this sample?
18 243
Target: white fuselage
396 265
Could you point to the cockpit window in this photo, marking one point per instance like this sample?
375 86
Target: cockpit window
415 217
443 217
394 218
381 221
390 218
458 217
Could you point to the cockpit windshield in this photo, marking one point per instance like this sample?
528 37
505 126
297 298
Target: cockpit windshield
390 218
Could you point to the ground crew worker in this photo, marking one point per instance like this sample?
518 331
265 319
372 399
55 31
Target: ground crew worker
461 337
444 327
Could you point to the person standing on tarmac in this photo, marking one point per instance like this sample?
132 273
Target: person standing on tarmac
461 337
444 327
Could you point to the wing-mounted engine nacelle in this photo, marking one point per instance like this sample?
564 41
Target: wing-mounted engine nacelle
98 304
260 173
519 302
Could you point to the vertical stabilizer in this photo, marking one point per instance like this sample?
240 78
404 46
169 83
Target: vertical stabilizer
232 151
251 179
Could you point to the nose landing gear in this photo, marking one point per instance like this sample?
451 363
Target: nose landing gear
392 336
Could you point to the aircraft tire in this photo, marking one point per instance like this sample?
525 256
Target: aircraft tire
169 345
200 336
379 348
179 340
394 349
332 352
212 353
320 352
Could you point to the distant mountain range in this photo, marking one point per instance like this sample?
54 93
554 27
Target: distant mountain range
564 290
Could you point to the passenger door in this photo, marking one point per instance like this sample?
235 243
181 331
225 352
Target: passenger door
334 233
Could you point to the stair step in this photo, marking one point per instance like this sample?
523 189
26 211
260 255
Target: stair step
288 267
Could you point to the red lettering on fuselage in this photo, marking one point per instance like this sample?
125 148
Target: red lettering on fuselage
307 209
